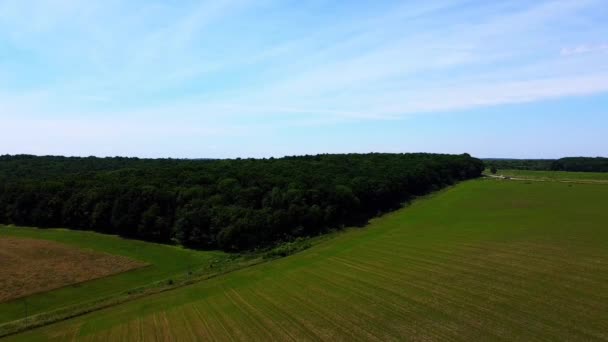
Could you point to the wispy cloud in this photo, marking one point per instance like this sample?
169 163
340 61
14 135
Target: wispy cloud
245 66
582 49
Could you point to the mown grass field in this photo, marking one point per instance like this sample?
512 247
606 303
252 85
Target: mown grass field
30 266
164 262
485 260
556 175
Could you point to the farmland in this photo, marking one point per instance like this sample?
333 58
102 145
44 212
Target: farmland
31 266
163 262
484 260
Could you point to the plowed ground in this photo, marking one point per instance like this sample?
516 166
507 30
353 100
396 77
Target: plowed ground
29 266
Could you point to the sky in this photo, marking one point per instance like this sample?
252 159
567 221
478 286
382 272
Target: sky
261 78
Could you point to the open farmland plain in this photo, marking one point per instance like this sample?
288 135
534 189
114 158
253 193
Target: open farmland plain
484 260
30 266
163 262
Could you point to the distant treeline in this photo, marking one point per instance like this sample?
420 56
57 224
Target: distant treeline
520 164
229 204
573 164
581 164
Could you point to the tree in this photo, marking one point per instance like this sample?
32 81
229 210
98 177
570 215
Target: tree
231 204
493 169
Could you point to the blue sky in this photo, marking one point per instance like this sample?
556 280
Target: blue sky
258 78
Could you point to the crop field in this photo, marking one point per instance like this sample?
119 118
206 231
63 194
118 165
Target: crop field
30 266
599 177
163 262
484 260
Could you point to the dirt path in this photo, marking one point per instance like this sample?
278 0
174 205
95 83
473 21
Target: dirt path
578 181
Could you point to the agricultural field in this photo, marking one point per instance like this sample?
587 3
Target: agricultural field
484 260
31 266
591 177
162 262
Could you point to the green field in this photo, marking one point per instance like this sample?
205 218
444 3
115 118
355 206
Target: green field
485 260
165 262
556 175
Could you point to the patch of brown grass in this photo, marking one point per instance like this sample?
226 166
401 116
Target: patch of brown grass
29 266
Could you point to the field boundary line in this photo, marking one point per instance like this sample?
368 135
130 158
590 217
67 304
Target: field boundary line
80 309
21 298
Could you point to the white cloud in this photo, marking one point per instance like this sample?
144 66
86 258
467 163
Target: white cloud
583 49
458 97
228 67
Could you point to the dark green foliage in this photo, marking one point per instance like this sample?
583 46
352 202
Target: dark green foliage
581 164
520 164
493 169
573 164
229 204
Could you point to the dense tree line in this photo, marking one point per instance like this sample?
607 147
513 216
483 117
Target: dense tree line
581 164
520 164
574 164
229 204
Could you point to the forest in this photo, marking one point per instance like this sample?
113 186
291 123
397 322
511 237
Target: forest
234 205
581 164
572 164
